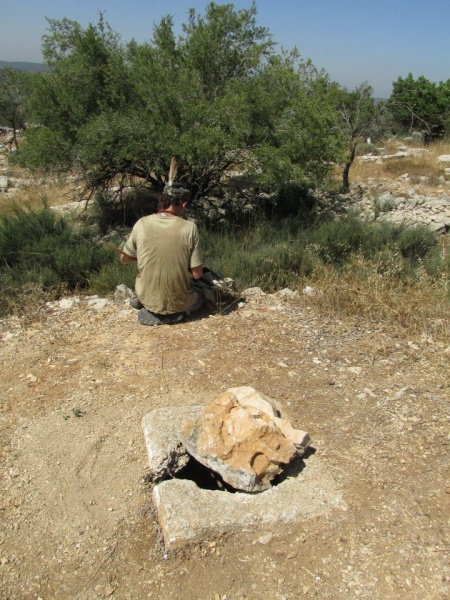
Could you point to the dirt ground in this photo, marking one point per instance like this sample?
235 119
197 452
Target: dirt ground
77 519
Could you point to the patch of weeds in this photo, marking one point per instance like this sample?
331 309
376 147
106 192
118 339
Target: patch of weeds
415 242
42 251
76 412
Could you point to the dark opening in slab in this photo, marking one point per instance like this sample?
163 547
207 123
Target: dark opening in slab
206 479
203 477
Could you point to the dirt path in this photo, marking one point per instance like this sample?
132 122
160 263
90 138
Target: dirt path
76 514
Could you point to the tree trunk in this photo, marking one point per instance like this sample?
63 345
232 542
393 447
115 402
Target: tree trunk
346 171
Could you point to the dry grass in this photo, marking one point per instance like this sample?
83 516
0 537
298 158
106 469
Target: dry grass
423 165
30 304
32 196
416 308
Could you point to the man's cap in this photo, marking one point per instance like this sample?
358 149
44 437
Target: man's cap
176 190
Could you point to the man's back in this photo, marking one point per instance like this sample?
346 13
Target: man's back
166 247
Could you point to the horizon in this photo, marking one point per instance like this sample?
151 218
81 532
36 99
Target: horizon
353 42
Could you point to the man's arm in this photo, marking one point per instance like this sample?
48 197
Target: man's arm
197 272
125 259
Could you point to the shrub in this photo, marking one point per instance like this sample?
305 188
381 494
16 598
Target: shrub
367 148
415 242
42 251
294 199
334 241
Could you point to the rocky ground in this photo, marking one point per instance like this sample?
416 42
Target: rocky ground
76 514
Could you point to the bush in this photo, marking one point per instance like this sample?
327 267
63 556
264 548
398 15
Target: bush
44 255
334 241
294 199
44 252
415 242
367 148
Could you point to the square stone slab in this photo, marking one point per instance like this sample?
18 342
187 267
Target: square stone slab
188 513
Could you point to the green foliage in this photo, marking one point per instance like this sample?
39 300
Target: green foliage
295 199
367 148
43 251
44 150
110 276
45 255
415 242
217 97
125 209
335 241
273 255
421 105
268 256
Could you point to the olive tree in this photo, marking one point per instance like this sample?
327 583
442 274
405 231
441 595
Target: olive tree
420 104
359 117
216 96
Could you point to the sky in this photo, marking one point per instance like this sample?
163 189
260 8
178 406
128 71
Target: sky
354 41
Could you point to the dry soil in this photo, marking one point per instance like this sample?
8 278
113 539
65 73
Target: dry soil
76 514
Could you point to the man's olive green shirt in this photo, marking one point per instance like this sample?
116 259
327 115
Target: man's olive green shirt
166 249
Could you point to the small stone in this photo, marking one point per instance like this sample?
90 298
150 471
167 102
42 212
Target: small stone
122 291
287 293
98 303
253 292
108 590
265 539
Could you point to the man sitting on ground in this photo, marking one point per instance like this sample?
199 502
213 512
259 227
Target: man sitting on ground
167 251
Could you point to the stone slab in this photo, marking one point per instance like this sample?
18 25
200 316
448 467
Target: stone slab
166 454
189 514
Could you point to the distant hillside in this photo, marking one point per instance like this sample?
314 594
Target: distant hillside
25 66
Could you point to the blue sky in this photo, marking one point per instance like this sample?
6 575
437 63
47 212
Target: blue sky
353 40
